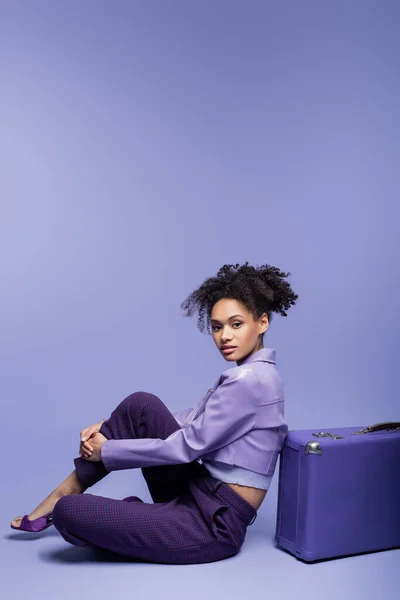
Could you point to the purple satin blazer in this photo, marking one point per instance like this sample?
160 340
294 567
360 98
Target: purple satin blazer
240 421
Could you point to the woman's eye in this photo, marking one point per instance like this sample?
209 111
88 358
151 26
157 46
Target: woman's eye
217 326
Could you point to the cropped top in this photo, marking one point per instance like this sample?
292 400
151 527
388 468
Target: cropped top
233 474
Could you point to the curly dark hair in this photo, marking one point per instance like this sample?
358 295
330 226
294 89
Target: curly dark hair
260 290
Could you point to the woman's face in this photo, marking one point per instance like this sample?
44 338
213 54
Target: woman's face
232 324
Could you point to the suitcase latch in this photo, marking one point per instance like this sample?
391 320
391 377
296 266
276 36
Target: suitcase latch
327 434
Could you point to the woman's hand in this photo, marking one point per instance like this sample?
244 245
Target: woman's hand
96 442
85 449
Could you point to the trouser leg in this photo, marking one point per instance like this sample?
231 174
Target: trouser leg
142 415
180 531
207 522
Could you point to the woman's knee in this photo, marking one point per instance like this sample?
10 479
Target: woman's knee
64 510
140 400
141 414
69 519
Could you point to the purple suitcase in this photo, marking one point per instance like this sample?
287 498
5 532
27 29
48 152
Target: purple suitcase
339 491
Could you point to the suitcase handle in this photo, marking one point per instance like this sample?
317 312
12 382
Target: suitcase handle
395 425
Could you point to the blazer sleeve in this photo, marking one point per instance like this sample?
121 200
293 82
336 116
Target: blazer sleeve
230 412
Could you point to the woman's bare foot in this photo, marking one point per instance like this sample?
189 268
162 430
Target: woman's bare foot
71 485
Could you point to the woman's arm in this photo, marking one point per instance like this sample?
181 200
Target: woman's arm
229 413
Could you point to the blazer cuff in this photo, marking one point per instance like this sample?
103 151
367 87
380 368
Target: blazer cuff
108 455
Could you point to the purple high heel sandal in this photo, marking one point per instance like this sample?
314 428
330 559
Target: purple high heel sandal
35 525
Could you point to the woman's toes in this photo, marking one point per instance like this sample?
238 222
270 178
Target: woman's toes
16 522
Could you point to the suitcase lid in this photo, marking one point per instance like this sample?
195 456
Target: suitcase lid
301 437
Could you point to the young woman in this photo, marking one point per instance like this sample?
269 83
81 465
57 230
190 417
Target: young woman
208 468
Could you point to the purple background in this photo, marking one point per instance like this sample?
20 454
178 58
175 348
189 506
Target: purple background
142 146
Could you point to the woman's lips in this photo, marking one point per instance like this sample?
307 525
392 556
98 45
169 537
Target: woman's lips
228 350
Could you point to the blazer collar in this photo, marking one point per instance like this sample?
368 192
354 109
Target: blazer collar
264 355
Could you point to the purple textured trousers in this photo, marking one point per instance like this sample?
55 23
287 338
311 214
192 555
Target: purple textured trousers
194 518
